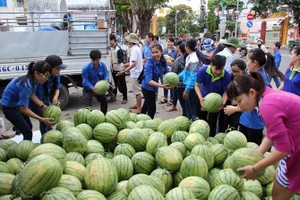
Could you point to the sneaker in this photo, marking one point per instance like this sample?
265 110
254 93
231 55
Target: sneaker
124 101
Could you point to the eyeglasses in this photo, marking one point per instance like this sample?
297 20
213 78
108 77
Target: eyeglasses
43 75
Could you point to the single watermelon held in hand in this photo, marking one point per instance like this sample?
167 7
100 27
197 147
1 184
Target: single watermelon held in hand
171 79
212 102
53 112
101 87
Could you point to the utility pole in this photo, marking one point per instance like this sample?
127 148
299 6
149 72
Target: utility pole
236 17
176 13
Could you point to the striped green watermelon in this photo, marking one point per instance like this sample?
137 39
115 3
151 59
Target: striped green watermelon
58 193
212 174
206 153
194 165
86 130
122 135
53 112
143 162
192 140
50 149
122 187
165 176
220 153
168 158
95 117
140 124
252 145
80 116
105 133
74 141
60 126
235 140
156 140
197 185
3 155
267 177
15 164
117 118
75 156
125 149
212 102
158 184
142 117
224 192
143 179
11 151
6 181
92 156
125 112
168 127
269 188
123 166
177 178
253 186
212 140
220 137
94 146
179 136
179 193
138 139
40 174
101 87
90 194
180 147
24 148
183 122
245 195
75 169
152 124
145 192
171 79
71 183
101 175
117 195
53 136
131 125
5 144
200 126
229 177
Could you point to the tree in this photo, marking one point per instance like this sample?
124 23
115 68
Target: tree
211 22
230 24
161 22
125 16
264 7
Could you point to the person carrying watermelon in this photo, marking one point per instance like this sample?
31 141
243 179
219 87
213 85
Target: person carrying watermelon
93 72
16 96
282 125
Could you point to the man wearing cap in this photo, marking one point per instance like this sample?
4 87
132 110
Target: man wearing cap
135 67
231 46
49 91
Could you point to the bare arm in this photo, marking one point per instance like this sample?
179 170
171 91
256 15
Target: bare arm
199 94
265 145
37 101
55 97
29 113
281 85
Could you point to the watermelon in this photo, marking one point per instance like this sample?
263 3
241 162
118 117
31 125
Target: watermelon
246 195
183 122
122 135
105 133
171 79
75 169
101 175
117 195
60 126
53 112
6 181
252 145
229 177
58 193
177 178
212 102
5 144
125 149
117 118
220 137
95 117
101 87
165 176
269 188
180 147
168 158
74 141
123 166
200 126
224 192
143 179
80 116
71 183
253 186
156 140
92 156
152 124
122 187
15 164
179 136
3 155
220 153
142 117
40 174
168 127
192 140
145 192
94 146
180 193
138 139
206 153
194 165
212 174
74 156
267 177
197 185
131 125
11 151
90 194
143 162
235 140
53 136
86 130
24 148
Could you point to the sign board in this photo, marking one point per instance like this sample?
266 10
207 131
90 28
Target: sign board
250 24
250 16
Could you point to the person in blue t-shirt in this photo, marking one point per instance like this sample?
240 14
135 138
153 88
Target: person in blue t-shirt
93 72
212 78
49 91
154 68
16 96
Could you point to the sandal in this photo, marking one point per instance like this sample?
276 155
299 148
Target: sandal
133 107
170 109
163 101
6 136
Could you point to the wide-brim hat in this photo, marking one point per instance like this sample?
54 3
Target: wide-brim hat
55 62
233 42
133 38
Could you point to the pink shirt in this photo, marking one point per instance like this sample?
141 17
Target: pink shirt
281 114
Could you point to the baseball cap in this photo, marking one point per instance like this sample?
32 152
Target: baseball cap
55 61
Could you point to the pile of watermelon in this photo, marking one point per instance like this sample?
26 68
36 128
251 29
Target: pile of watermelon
122 155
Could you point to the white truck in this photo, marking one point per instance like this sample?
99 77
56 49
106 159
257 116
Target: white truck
23 39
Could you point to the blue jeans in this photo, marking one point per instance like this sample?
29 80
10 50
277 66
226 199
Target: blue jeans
191 106
20 121
35 108
180 91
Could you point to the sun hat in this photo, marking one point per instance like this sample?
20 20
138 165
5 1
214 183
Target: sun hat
55 61
232 41
133 38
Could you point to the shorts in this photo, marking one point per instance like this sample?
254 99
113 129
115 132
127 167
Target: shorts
136 87
281 177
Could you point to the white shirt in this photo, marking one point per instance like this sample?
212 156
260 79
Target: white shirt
114 58
229 55
136 55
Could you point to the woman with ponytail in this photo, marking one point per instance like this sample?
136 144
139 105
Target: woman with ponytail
16 96
154 68
280 112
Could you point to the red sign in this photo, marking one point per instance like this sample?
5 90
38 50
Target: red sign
250 16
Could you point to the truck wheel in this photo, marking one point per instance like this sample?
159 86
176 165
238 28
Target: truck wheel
63 97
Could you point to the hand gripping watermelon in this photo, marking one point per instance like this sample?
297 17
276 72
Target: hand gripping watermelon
171 79
53 112
212 102
101 87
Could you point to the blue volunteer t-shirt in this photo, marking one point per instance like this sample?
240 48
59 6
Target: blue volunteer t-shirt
40 91
292 81
17 93
91 75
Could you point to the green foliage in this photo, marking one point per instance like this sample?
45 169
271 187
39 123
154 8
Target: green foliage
211 22
230 24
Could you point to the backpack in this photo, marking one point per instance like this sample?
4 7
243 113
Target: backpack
122 53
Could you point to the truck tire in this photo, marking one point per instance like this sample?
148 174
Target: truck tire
63 97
